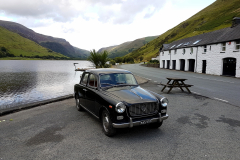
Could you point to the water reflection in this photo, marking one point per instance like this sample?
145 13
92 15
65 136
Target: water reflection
23 82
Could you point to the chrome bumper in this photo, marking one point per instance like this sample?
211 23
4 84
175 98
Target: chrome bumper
138 123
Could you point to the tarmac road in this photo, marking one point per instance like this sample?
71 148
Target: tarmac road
226 89
197 128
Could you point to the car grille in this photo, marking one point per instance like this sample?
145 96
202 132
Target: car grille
143 109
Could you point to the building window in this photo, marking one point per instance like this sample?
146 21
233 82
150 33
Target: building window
175 51
210 48
237 47
191 50
184 50
223 47
169 51
205 48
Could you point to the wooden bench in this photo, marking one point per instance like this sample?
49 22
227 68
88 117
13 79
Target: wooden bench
176 82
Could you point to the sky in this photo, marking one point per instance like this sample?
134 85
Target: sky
93 24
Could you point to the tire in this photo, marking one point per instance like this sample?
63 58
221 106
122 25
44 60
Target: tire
107 124
78 106
155 125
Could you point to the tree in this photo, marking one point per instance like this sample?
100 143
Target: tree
94 58
118 60
128 59
103 58
98 59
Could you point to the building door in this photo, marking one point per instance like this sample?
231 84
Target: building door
191 65
174 64
229 66
168 64
163 64
182 64
204 65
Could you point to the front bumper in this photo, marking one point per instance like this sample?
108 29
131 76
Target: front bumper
138 123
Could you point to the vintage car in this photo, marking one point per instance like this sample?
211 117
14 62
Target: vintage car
115 98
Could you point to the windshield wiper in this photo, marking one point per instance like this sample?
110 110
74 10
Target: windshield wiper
125 84
110 85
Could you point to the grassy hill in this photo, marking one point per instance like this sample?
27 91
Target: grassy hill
58 45
216 16
127 47
20 46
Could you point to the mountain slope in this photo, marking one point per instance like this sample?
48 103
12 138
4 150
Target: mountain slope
18 45
82 53
216 16
127 47
56 44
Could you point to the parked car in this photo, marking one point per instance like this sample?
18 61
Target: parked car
115 98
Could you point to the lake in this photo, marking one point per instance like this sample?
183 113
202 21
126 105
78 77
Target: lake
28 81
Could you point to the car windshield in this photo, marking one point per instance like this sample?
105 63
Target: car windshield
117 79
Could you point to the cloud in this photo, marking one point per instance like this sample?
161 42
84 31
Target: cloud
114 11
41 9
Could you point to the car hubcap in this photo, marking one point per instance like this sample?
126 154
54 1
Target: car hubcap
105 122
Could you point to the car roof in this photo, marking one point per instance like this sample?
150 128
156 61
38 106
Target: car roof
106 71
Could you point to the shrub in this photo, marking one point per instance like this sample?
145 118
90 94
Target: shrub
112 62
154 61
10 55
3 49
118 59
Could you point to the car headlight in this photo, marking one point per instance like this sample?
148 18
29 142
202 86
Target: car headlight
164 102
120 107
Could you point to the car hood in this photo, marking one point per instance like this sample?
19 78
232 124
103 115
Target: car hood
131 94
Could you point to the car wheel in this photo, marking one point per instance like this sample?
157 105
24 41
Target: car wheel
155 125
107 124
78 106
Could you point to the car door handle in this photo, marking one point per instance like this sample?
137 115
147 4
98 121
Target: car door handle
84 89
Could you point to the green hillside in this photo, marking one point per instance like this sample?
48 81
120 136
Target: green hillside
127 47
14 44
216 16
81 53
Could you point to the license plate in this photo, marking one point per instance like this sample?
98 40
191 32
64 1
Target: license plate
145 122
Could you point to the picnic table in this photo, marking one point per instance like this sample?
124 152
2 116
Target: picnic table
176 82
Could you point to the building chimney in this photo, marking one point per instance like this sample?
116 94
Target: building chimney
235 21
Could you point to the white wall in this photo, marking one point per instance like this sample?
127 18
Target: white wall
214 57
177 56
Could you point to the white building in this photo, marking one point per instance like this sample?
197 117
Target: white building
216 52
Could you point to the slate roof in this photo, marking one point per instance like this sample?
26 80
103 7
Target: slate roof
218 36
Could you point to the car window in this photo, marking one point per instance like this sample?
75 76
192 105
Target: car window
130 79
85 78
117 79
92 80
105 77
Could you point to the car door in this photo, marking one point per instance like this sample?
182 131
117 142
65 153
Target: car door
81 89
91 93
